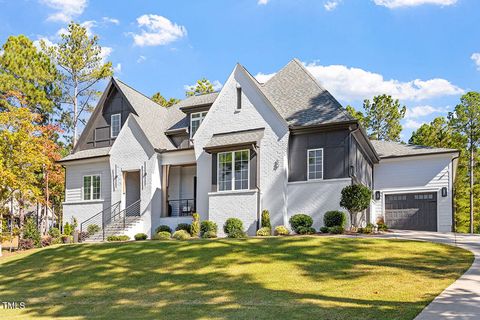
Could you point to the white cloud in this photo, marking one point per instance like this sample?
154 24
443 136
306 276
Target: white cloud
217 85
118 68
105 53
262 2
65 10
412 124
394 4
331 5
422 111
111 20
141 59
476 58
47 41
88 25
349 84
158 31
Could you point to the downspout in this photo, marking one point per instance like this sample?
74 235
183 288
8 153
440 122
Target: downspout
349 148
454 223
257 183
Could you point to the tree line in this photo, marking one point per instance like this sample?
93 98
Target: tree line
459 130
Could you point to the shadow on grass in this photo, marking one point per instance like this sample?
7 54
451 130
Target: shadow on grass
271 278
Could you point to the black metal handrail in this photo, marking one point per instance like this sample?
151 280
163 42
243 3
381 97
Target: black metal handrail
181 207
97 219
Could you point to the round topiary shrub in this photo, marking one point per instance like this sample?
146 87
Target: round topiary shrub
263 232
181 235
336 230
183 226
306 230
209 235
208 226
237 234
162 235
300 222
140 236
281 231
324 229
334 218
163 228
233 225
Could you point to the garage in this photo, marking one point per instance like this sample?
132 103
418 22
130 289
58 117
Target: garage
411 211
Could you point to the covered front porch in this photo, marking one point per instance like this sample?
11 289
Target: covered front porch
179 190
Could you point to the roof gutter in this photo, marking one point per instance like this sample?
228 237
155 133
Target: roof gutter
419 154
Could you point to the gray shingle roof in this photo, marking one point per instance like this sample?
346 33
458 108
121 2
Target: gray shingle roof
235 138
88 153
300 99
389 149
198 100
152 118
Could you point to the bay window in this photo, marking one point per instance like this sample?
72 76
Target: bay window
233 170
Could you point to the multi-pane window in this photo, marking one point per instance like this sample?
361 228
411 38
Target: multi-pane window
115 124
233 172
195 120
315 164
91 187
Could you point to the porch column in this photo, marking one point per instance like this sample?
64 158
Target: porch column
165 182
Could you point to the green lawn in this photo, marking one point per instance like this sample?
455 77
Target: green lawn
271 278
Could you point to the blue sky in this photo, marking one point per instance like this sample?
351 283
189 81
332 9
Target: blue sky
424 52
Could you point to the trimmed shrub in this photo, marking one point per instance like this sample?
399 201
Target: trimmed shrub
118 238
25 244
162 235
47 241
67 229
300 222
183 226
264 232
306 230
209 235
181 235
281 231
334 218
324 229
233 225
92 229
336 230
140 237
369 228
381 226
195 227
54 233
30 231
266 220
355 198
237 234
208 226
163 228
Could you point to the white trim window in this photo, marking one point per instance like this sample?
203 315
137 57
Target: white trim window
196 120
91 187
115 124
315 164
233 170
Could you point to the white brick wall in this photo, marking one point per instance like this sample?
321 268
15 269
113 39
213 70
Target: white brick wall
315 198
255 113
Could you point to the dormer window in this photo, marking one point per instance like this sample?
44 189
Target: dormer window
115 124
239 97
196 120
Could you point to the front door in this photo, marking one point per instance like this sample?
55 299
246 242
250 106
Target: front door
132 192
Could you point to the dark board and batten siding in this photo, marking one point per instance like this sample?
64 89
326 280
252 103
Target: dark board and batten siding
362 168
99 133
335 154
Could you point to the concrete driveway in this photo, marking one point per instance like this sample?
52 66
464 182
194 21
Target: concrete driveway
461 300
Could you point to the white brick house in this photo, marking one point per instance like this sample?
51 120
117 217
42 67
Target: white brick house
286 145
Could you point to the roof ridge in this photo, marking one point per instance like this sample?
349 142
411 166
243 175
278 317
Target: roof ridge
144 95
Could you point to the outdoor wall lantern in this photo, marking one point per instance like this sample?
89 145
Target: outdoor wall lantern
444 191
377 195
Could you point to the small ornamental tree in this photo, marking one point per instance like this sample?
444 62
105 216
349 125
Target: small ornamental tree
355 198
266 219
195 227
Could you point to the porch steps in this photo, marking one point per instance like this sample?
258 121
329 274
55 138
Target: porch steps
115 228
